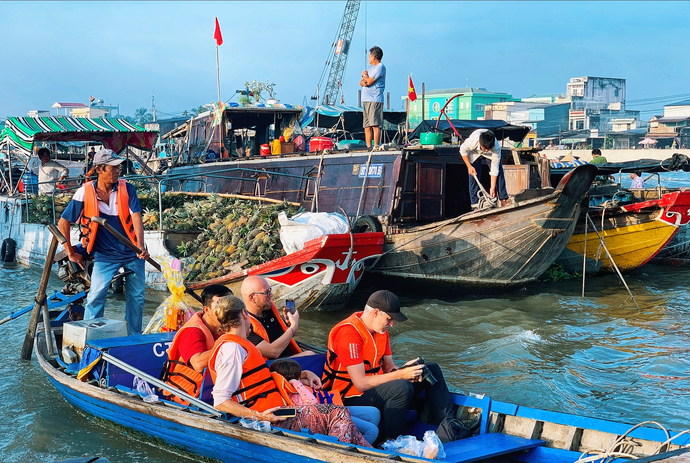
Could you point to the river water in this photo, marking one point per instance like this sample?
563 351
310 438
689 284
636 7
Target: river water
543 346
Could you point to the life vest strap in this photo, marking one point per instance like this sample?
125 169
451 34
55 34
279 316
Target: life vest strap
249 403
248 388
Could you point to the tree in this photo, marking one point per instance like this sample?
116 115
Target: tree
142 116
198 110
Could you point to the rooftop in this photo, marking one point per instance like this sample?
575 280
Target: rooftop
680 103
476 90
69 105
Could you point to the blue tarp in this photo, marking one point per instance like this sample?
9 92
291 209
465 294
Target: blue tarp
348 118
567 165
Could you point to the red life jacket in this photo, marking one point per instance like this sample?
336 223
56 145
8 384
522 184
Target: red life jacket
89 228
259 329
335 378
180 374
258 390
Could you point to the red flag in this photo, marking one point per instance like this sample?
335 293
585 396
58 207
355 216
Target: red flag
217 35
411 94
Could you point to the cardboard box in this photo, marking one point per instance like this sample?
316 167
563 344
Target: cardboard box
76 334
287 147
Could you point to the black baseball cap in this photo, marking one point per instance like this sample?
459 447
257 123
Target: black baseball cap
387 302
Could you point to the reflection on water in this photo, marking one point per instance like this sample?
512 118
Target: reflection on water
543 346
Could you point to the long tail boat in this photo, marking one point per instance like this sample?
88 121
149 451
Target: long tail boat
418 196
504 431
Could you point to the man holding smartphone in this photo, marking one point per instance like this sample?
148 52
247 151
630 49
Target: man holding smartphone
360 366
270 334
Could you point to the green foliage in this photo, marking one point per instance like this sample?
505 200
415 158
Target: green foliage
557 273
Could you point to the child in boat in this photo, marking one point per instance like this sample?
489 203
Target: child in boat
365 418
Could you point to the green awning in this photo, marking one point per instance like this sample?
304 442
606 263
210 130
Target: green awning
20 133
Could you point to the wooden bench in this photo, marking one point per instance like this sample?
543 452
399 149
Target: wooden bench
485 445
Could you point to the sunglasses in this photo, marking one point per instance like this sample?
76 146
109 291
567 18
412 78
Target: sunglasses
266 293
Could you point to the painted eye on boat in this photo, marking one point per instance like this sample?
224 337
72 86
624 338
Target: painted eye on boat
309 269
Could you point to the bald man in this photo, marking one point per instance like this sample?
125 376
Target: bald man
270 334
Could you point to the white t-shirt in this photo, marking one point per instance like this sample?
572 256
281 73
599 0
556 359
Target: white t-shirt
229 361
49 172
470 148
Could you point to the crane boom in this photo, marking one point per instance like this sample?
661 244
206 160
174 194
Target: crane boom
339 52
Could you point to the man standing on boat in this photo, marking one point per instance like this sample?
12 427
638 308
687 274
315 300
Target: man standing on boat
483 144
115 200
360 366
48 172
373 84
191 348
270 334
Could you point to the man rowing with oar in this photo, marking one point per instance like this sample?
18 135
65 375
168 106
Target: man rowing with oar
115 200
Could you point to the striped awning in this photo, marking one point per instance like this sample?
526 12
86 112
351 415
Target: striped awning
20 133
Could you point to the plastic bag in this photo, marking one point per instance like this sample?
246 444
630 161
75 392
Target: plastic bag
431 447
144 390
173 311
307 226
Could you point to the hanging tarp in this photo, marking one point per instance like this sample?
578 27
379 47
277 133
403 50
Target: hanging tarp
501 129
21 132
567 164
348 118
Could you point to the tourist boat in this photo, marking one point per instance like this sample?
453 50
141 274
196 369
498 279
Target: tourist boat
637 226
418 196
505 431
323 275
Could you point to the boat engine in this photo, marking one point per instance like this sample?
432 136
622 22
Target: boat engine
76 278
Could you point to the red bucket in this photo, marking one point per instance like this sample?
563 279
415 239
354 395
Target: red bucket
265 150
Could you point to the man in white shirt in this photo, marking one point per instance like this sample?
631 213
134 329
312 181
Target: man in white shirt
483 143
49 171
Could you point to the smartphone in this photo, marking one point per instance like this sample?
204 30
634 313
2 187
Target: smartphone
290 305
288 412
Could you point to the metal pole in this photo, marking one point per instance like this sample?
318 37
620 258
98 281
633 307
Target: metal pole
613 263
218 72
584 257
423 98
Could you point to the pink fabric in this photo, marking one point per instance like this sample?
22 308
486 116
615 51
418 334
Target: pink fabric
303 396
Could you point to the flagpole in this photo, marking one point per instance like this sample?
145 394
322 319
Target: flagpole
407 111
218 72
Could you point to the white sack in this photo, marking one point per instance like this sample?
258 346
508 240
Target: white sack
308 226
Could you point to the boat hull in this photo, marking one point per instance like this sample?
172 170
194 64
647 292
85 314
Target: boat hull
322 276
634 234
498 249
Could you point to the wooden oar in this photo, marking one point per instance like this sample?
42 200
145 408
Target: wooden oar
103 222
28 346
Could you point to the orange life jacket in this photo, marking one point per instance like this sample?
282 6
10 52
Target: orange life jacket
335 378
284 387
259 329
180 374
258 390
89 228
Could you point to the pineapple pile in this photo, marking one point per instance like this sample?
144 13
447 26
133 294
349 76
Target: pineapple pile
41 207
240 234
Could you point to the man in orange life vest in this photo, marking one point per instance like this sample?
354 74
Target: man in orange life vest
116 200
191 348
270 334
360 365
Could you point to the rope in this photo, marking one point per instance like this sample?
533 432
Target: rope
485 201
612 453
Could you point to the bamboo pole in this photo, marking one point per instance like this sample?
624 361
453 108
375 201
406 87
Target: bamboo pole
28 346
231 195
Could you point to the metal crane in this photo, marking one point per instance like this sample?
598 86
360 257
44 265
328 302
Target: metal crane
337 58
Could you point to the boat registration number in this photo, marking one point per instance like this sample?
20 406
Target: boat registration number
375 170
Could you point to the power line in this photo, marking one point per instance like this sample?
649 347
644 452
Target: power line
658 98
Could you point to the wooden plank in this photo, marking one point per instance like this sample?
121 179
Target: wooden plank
486 446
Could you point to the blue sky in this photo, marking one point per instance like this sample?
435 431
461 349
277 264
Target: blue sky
122 51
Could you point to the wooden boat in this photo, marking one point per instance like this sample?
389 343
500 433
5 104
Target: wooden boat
506 432
321 276
634 232
419 197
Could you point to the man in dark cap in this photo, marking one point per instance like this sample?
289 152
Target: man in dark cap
360 366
